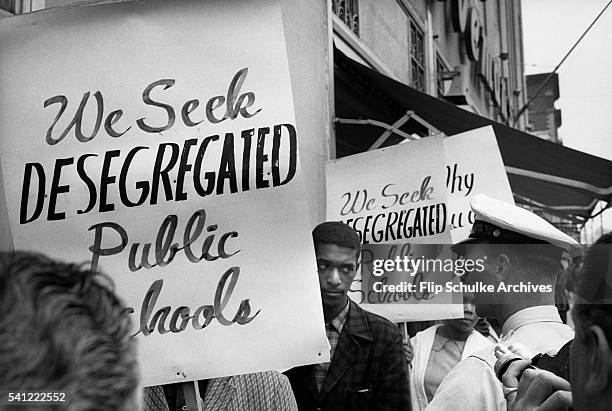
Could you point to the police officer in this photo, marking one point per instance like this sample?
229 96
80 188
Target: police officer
518 255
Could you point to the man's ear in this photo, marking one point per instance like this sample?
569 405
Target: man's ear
502 267
598 359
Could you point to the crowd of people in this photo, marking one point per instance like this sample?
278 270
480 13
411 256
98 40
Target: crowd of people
63 328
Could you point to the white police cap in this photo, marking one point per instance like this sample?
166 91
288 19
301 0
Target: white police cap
501 222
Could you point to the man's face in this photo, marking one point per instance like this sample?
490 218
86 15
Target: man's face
337 267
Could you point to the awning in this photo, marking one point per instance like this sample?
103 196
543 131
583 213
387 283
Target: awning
541 173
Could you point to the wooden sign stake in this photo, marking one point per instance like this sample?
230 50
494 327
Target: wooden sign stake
192 396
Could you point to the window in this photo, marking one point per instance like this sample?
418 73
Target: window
417 57
443 80
348 12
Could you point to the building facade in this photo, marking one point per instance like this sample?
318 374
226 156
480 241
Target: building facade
466 52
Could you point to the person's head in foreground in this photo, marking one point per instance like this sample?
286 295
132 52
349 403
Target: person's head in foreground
512 249
62 328
591 355
337 248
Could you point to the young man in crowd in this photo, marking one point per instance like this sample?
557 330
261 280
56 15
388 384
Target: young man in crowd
367 368
520 254
63 329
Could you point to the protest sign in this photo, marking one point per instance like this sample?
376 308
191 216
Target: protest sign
473 166
423 277
393 197
157 141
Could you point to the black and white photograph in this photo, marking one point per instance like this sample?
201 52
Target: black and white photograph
301 205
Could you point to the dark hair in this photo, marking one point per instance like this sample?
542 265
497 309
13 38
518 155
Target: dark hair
63 328
594 286
335 232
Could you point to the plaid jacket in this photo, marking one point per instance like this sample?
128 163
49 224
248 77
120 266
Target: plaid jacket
368 370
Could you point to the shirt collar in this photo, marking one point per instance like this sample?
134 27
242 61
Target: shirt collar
340 320
540 313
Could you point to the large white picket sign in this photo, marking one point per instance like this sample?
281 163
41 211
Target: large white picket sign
157 141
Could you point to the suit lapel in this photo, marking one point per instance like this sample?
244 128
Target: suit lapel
344 356
348 348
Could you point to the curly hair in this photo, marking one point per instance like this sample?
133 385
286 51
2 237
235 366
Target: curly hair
63 328
335 232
